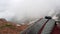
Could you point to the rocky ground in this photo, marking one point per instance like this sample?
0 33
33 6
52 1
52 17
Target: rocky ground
7 27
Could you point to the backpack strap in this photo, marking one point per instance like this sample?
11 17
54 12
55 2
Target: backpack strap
37 26
48 27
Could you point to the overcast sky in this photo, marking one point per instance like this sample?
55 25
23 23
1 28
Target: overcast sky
29 9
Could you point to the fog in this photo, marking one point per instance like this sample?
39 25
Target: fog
27 10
